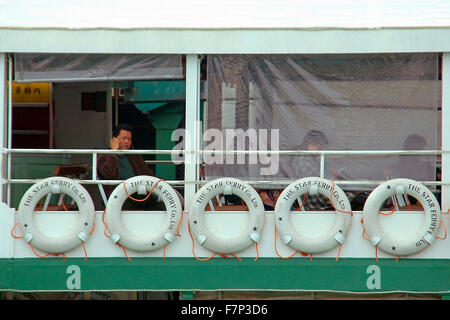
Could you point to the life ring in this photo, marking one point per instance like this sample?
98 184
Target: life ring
423 238
78 234
227 186
313 185
143 184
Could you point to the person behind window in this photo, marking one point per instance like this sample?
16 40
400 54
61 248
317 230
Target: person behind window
122 167
309 166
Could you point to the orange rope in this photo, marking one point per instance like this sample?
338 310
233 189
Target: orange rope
193 243
85 253
445 229
376 253
363 234
34 251
108 236
12 232
47 254
93 228
331 201
178 225
364 230
164 250
41 205
63 255
276 250
140 200
104 222
234 255
62 202
303 202
257 251
392 211
339 252
124 251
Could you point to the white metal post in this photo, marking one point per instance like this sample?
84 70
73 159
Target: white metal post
3 104
445 196
9 128
192 137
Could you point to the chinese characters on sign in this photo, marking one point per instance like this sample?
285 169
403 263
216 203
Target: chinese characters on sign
31 92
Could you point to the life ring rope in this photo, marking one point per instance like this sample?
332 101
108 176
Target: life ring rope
12 232
276 250
393 211
35 238
215 253
129 196
248 237
148 195
377 200
297 251
193 247
376 247
47 254
301 204
107 231
330 198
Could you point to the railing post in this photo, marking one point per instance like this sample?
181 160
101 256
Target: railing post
445 159
3 116
192 119
9 129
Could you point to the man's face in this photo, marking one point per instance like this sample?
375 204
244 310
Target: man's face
124 139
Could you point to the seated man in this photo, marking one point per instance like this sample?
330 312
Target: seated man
122 167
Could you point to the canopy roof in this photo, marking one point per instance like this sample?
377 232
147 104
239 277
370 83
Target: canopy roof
231 26
230 14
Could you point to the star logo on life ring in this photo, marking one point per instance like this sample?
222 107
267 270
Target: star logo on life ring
393 248
388 187
153 244
255 228
195 221
280 219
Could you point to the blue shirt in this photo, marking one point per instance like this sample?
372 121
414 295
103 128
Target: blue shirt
125 168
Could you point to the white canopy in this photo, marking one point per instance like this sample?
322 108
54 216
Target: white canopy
219 14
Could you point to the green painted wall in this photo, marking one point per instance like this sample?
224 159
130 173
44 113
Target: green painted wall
320 274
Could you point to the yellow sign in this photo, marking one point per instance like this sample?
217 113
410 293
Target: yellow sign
34 92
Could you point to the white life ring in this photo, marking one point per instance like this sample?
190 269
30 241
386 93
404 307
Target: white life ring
313 186
227 186
78 234
143 184
423 238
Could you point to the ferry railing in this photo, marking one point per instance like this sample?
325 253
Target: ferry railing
322 153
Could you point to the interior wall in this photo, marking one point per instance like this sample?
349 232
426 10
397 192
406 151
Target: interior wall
74 127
